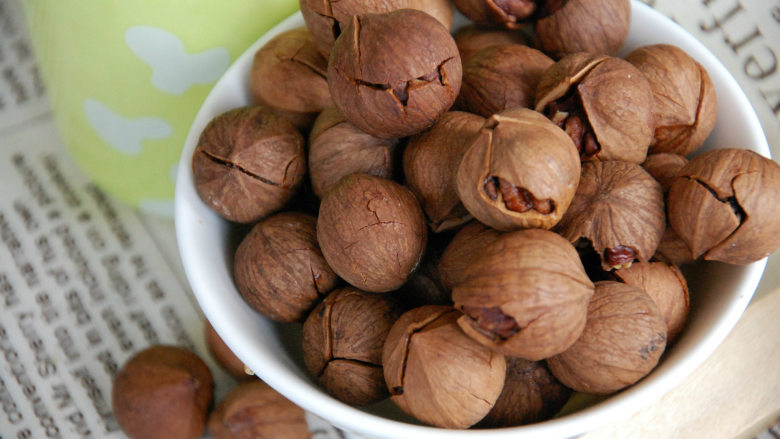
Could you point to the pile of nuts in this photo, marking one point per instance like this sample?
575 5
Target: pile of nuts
477 225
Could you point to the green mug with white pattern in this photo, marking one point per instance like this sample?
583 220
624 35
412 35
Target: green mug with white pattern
126 78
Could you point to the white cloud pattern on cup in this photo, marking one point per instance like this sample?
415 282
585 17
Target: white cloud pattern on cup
124 134
173 69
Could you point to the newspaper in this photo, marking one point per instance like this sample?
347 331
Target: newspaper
85 281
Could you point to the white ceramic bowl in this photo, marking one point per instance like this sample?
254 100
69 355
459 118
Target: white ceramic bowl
719 293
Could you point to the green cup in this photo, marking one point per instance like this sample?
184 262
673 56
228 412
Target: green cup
126 78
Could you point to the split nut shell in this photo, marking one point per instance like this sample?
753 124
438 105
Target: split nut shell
394 74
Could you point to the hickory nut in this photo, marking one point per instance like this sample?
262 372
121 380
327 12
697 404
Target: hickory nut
501 77
460 252
426 360
596 26
521 171
162 392
664 167
531 394
623 339
684 104
224 356
248 164
723 204
619 209
507 13
471 39
337 148
254 410
342 344
326 19
524 295
603 103
372 232
394 74
288 74
279 269
430 162
666 285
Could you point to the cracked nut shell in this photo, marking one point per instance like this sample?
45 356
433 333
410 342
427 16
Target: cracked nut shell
372 232
501 77
604 103
327 18
436 373
394 74
430 162
521 172
224 356
248 163
619 209
337 148
342 344
685 104
289 74
623 339
531 394
162 392
596 26
524 295
253 409
724 205
279 269
666 285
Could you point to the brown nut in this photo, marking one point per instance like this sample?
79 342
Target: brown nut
342 344
327 18
672 249
619 209
596 26
723 204
426 360
426 286
501 77
288 74
253 409
460 252
531 394
162 392
337 148
524 295
393 75
664 167
666 285
279 269
522 171
372 232
685 104
248 164
623 339
430 162
507 13
605 105
471 39
224 356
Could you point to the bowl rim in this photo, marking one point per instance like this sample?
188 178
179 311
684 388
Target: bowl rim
295 386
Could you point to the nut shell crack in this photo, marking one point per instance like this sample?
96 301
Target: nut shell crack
239 168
